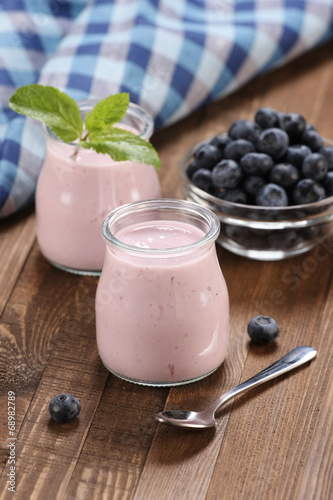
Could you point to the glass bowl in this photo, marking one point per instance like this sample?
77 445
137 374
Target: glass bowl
263 233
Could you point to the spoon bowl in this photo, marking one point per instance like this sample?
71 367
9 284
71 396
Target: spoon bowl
206 418
185 418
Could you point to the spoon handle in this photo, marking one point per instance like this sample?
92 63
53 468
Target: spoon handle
293 359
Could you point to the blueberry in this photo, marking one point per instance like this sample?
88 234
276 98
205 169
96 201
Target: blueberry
328 153
273 141
235 150
293 124
220 141
253 184
227 174
244 129
310 233
283 240
315 166
256 163
328 183
234 233
296 153
284 174
272 195
64 407
267 118
202 178
206 156
308 126
263 330
191 168
308 191
233 195
312 139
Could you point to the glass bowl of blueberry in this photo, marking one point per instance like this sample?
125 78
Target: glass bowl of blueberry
270 182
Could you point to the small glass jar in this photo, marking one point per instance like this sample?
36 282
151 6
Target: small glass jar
162 308
77 188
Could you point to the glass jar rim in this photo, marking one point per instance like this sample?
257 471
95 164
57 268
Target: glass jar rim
134 110
194 209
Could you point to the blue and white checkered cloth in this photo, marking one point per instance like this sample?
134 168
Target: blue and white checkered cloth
171 56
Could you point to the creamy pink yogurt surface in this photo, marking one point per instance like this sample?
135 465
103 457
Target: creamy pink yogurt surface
73 196
160 234
162 319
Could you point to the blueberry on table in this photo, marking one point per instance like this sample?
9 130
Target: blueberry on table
235 150
220 141
266 118
256 163
315 166
308 191
272 195
263 330
64 408
244 129
292 123
227 174
202 178
312 139
207 155
273 141
284 174
296 153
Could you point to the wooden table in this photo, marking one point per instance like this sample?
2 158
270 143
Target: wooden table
274 442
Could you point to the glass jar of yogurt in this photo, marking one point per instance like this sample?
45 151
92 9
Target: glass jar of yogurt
162 308
76 189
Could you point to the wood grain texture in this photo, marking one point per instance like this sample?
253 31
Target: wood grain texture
16 237
273 442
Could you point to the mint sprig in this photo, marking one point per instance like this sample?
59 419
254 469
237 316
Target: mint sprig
50 106
62 114
122 145
107 112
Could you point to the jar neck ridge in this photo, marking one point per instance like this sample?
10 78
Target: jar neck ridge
177 211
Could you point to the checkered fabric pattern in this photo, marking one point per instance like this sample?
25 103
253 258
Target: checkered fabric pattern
171 56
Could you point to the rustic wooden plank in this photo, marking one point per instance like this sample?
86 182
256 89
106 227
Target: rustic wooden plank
270 432
31 321
46 451
113 456
17 235
58 319
310 451
41 304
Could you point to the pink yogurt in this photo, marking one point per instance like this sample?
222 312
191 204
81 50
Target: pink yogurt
74 194
162 310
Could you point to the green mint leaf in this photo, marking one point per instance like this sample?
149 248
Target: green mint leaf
107 112
50 106
122 145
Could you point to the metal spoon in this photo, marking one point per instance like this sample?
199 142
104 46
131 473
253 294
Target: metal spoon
206 418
